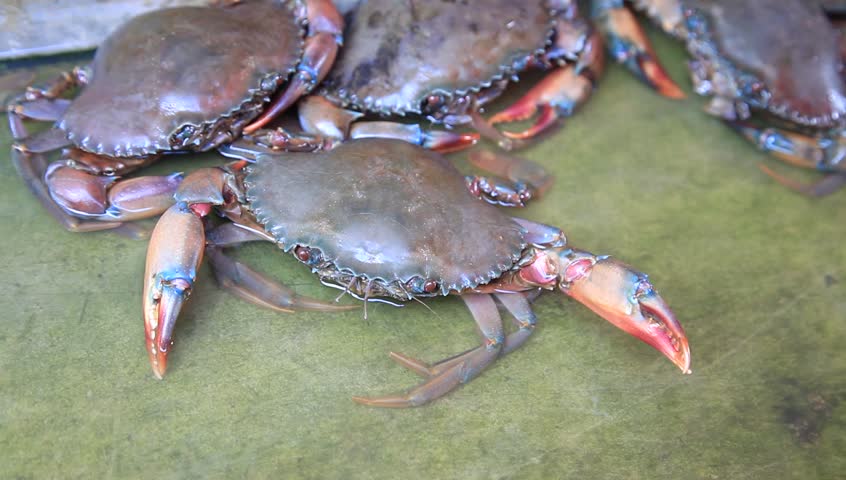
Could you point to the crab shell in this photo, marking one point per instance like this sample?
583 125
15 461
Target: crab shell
186 78
390 212
399 53
780 56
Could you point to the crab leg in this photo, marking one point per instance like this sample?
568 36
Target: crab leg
628 44
322 119
472 363
31 170
498 192
821 153
108 198
437 140
525 179
828 185
558 94
43 103
42 109
325 29
82 202
522 316
252 286
42 142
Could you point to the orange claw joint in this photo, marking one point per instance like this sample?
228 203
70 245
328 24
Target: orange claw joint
174 255
325 34
628 45
558 94
625 298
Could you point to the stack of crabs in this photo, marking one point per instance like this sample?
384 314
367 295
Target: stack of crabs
402 224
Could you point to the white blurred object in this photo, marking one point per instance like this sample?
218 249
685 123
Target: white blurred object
31 28
46 27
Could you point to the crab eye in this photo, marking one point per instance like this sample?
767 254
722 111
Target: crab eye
303 254
430 286
184 134
434 102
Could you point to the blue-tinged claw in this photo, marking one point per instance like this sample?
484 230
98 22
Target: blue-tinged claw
175 253
628 45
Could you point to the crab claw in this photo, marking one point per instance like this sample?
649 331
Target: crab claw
176 249
555 96
629 45
625 298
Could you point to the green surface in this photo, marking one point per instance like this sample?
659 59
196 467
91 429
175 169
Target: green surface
756 274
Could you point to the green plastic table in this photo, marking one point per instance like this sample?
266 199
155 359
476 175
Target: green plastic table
755 273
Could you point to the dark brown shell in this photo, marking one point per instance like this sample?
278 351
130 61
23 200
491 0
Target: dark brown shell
385 209
790 46
178 67
397 53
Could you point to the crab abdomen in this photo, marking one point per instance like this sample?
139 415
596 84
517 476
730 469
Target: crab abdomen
384 209
397 53
178 67
790 46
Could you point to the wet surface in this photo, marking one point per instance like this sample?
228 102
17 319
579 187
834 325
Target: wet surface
754 273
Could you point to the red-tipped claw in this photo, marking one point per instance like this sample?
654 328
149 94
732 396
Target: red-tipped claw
629 45
557 95
625 298
176 249
319 51
447 142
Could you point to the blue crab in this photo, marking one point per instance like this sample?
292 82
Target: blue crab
172 80
443 61
774 70
400 226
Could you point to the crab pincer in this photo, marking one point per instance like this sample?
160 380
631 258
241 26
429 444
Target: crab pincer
625 298
558 94
628 44
169 277
320 48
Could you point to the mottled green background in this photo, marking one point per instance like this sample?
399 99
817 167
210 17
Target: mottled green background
756 274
